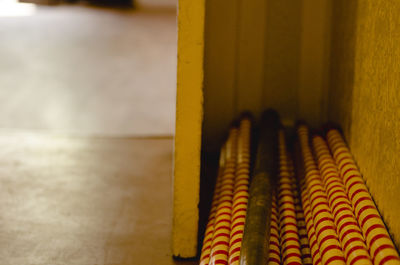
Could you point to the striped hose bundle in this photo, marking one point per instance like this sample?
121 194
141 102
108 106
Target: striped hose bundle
206 249
222 223
289 234
320 212
341 190
241 192
312 238
327 237
309 223
350 235
380 245
224 230
274 252
301 227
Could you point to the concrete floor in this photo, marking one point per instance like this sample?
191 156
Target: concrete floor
90 71
77 186
70 200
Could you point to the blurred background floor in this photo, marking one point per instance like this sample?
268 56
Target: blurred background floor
87 109
92 71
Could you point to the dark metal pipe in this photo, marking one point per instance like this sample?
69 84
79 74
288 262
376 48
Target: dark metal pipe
255 242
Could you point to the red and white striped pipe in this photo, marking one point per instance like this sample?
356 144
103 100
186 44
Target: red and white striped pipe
381 247
312 238
290 241
274 253
328 241
208 235
301 226
222 226
351 238
241 192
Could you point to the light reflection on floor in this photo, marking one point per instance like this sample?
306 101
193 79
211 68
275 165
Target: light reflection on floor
12 8
86 70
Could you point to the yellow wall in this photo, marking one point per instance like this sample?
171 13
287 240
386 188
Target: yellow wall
189 116
365 95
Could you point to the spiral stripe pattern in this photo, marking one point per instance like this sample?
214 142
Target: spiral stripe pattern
328 241
241 192
304 223
274 253
301 226
380 245
330 220
291 254
350 235
222 225
315 255
206 248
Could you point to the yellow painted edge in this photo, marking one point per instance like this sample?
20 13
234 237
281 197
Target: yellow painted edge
189 116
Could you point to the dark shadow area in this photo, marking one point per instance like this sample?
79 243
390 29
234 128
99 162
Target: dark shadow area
208 176
110 3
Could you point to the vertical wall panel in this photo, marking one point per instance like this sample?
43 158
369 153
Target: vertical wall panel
282 56
189 110
264 54
250 61
314 61
343 42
